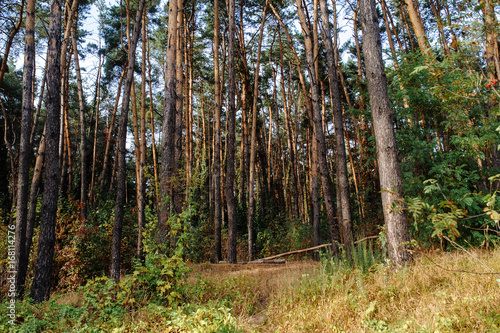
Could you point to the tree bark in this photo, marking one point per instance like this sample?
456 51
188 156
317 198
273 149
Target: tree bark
83 138
141 200
41 282
418 26
319 134
10 40
96 127
217 135
340 157
253 142
109 135
25 150
231 138
491 52
387 157
168 127
122 136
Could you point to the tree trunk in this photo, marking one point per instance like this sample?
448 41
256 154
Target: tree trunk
387 157
319 134
289 139
141 200
69 12
491 52
340 158
179 104
418 26
168 127
83 139
109 135
217 136
41 282
10 40
25 150
122 136
253 142
231 129
439 21
151 111
96 127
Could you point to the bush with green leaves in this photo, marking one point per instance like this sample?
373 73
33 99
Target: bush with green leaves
457 213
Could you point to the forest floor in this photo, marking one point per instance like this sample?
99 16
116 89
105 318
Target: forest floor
440 292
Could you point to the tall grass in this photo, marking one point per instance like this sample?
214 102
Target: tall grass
365 295
359 293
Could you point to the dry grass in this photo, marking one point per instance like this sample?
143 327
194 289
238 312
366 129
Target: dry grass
421 298
301 296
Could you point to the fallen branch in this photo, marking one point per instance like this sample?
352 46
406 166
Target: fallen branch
260 261
310 249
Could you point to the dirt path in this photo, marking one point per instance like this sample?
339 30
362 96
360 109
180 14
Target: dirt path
253 286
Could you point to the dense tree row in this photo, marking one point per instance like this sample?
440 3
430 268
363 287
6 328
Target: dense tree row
252 129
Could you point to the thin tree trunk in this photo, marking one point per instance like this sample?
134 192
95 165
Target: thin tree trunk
83 139
439 22
122 136
289 136
319 134
10 40
41 282
189 107
231 129
253 142
216 175
109 136
25 150
39 106
340 157
151 111
388 164
96 127
141 200
69 12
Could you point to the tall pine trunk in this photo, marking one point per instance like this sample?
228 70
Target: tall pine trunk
25 149
253 142
83 138
340 158
45 254
217 135
231 133
122 136
387 156
319 133
168 128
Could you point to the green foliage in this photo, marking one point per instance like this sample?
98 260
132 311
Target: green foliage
201 319
157 281
449 216
363 257
281 234
104 303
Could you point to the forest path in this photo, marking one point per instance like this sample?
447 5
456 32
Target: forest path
252 286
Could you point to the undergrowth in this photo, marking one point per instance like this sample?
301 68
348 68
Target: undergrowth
365 295
359 293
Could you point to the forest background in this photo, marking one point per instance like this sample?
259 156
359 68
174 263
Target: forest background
236 131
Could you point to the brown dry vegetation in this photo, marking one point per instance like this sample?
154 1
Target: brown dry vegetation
302 296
